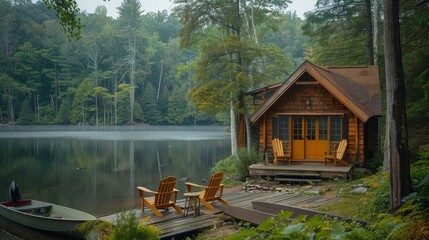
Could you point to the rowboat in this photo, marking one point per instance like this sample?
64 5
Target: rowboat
44 216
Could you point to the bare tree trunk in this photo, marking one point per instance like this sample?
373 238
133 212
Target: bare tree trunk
396 141
369 37
375 35
234 139
132 45
159 82
95 58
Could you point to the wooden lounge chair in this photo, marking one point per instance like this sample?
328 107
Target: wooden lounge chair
161 198
279 153
210 191
338 155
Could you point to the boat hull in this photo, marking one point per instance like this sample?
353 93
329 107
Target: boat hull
48 217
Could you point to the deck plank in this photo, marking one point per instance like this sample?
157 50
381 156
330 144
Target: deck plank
173 224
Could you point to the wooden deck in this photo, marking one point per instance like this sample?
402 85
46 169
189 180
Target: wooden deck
177 226
300 169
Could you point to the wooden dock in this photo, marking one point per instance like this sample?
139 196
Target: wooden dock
296 170
177 226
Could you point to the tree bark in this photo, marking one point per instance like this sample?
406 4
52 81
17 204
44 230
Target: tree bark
375 35
396 141
369 37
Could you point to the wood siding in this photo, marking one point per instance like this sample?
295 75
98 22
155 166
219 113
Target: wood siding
320 102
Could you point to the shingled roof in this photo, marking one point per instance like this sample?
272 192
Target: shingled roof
357 87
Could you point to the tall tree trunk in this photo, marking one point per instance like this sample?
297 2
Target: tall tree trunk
369 37
375 35
132 45
396 141
234 138
159 82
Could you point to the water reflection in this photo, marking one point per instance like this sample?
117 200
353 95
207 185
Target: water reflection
97 170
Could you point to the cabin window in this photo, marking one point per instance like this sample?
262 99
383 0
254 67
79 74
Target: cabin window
275 126
311 128
345 128
297 128
284 127
281 127
335 129
323 128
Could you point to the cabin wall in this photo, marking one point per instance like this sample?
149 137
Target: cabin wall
293 102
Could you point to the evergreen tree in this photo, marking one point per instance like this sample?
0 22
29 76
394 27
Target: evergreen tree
149 106
25 114
177 110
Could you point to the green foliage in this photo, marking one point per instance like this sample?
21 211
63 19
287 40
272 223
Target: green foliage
67 12
407 223
245 158
317 227
126 226
101 229
83 101
226 166
342 26
151 113
177 109
63 113
26 114
237 166
377 200
375 163
420 179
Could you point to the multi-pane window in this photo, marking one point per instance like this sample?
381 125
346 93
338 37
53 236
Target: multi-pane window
284 127
311 128
297 128
336 128
323 128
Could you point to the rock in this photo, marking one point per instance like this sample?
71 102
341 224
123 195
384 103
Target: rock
314 192
359 190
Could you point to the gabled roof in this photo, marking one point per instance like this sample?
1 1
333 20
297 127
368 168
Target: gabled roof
357 88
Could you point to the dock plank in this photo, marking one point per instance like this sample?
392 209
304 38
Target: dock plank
173 224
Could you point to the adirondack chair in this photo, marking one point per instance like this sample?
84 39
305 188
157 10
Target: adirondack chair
278 151
338 154
161 198
210 191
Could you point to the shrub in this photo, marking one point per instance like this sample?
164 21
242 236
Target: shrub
245 159
317 227
377 199
226 166
127 226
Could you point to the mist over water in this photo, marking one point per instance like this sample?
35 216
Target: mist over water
97 169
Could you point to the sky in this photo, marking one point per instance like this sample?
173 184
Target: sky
300 6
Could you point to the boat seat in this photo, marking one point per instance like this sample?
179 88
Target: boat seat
38 208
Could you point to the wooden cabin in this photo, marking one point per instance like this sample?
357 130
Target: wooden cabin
317 107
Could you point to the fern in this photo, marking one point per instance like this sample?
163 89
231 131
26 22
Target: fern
403 231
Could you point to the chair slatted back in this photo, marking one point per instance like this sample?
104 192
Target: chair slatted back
213 185
278 147
165 189
341 149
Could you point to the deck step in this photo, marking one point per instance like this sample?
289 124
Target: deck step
304 174
286 179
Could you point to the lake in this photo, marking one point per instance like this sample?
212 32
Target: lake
96 169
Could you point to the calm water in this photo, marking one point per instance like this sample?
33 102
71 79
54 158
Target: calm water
97 169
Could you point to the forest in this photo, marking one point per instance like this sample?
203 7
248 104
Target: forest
157 68
48 78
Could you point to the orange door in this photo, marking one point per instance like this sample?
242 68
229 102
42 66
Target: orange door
298 137
316 143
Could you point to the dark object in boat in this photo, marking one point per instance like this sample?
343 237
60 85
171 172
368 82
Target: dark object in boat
14 193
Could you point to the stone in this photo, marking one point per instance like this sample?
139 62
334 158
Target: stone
359 190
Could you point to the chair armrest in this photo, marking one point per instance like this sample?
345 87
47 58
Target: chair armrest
143 189
189 185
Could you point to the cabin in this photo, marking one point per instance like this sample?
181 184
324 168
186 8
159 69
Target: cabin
316 108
